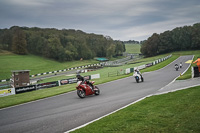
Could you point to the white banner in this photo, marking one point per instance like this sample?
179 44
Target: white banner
128 70
95 76
141 67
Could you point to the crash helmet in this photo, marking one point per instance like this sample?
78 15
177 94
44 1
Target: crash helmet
78 75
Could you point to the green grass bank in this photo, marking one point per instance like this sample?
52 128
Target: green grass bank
133 48
176 112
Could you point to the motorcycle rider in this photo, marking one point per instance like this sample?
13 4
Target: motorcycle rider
137 72
80 78
198 63
181 65
176 66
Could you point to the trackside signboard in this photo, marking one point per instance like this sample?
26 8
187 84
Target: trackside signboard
68 81
72 80
47 85
25 89
35 87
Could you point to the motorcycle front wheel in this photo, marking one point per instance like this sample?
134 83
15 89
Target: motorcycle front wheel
97 91
81 93
137 79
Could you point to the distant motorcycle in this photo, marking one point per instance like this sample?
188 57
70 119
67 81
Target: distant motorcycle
176 67
84 89
138 77
181 65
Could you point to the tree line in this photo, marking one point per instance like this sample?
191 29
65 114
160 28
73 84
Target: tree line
61 45
178 39
132 42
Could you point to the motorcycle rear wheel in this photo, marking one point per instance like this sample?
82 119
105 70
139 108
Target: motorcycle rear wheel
142 79
81 93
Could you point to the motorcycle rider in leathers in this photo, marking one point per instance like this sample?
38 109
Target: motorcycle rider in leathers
138 72
80 78
198 63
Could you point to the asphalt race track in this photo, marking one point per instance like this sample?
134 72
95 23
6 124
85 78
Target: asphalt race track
67 111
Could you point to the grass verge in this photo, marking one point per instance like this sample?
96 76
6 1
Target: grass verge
172 112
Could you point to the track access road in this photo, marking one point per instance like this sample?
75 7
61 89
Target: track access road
67 111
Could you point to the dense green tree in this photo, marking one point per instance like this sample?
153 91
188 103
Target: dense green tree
60 45
195 36
110 51
119 48
19 45
165 45
6 37
36 43
150 47
70 52
180 38
54 49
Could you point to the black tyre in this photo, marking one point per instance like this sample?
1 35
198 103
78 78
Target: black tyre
97 91
137 79
81 93
142 79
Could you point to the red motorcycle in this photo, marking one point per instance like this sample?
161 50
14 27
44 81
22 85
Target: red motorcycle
84 89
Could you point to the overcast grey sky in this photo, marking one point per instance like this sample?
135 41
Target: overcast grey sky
120 19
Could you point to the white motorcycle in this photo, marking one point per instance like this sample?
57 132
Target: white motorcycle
138 77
